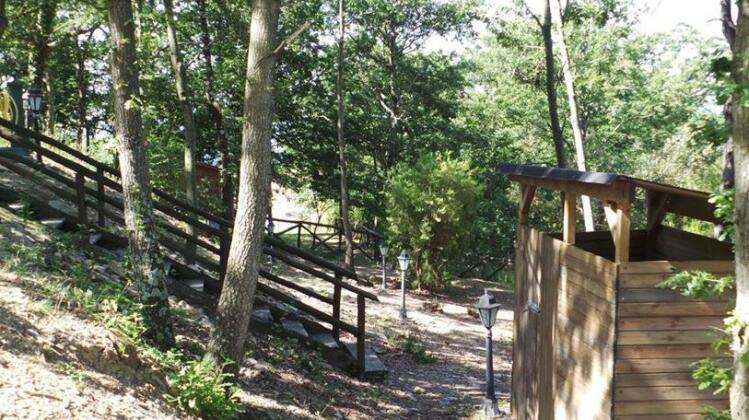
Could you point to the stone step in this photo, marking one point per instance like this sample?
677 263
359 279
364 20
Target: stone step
324 339
196 284
373 366
94 238
295 328
17 206
261 317
53 223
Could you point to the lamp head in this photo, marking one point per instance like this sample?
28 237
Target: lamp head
384 248
404 260
488 308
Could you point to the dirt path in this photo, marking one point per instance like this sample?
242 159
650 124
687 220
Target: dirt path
436 357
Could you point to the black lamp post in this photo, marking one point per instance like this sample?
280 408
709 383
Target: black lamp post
32 104
383 251
488 308
403 260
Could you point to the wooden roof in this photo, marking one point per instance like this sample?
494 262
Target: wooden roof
611 187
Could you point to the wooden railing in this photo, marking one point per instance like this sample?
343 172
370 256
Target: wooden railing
88 187
365 240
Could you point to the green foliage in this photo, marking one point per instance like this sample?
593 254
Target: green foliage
698 284
724 208
709 375
430 207
412 344
199 386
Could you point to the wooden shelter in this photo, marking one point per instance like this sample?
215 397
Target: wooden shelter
607 342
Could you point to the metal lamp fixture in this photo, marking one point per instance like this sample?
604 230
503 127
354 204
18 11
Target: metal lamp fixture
488 308
403 261
32 101
383 252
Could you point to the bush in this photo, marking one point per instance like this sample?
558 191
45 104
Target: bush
430 207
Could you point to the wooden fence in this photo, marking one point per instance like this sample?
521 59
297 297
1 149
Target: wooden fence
365 240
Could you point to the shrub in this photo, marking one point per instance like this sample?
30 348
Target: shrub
430 207
199 386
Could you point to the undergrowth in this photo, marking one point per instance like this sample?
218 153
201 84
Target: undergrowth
196 385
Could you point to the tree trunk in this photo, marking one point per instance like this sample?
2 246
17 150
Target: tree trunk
42 50
739 393
81 82
188 119
569 83
145 259
214 110
345 221
551 92
3 19
238 293
727 177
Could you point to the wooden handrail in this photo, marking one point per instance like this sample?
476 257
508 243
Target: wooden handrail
101 167
83 192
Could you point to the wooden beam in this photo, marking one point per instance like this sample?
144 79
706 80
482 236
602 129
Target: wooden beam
527 192
618 218
657 208
570 218
619 191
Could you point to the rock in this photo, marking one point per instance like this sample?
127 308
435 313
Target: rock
419 390
430 307
452 309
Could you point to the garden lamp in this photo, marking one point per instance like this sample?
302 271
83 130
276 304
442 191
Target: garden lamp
488 308
32 101
32 104
383 252
403 260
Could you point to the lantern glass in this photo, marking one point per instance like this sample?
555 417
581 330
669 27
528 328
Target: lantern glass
403 260
32 100
488 308
384 249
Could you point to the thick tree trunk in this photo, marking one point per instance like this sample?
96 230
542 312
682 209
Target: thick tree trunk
740 387
569 83
345 221
188 119
145 260
238 293
551 92
217 116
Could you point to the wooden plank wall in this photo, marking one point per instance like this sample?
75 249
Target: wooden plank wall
526 360
563 358
659 335
601 243
584 334
678 245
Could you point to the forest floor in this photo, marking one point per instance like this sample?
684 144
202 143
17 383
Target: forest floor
60 363
435 358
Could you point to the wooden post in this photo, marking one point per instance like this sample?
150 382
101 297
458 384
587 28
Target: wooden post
100 196
527 192
299 235
80 187
224 246
617 215
361 337
337 306
657 204
570 218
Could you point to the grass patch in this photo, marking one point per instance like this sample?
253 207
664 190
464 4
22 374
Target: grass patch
414 345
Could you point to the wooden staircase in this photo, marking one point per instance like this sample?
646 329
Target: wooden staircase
93 192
